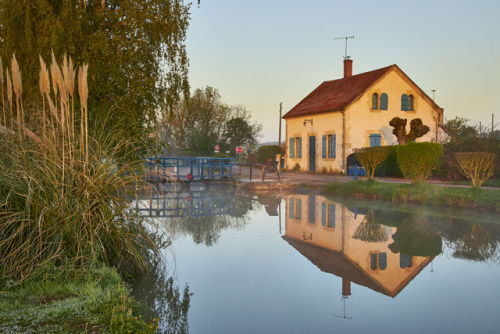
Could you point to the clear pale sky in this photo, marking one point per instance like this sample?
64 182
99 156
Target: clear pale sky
259 53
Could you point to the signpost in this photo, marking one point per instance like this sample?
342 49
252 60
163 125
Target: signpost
216 148
239 150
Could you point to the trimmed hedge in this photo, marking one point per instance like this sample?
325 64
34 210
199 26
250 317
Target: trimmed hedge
267 152
390 167
418 160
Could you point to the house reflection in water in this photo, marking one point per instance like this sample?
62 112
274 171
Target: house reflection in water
348 245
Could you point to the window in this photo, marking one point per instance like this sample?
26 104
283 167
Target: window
295 150
375 140
384 101
329 146
378 261
405 261
328 215
295 208
374 101
404 102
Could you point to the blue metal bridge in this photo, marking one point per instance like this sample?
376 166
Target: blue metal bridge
186 205
189 169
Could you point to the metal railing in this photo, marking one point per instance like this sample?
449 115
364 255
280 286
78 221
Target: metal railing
188 169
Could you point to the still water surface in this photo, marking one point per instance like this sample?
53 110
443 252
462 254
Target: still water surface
305 263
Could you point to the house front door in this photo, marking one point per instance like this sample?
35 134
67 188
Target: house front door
312 153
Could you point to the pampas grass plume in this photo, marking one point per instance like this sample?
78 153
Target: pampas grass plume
16 78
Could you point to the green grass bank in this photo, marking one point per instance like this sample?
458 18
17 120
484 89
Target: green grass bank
95 302
424 193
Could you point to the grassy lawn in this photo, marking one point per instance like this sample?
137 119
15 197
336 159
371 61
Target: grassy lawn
427 194
97 302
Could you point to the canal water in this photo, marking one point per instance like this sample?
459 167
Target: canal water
237 262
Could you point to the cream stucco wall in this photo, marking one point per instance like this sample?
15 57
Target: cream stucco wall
360 122
314 232
322 124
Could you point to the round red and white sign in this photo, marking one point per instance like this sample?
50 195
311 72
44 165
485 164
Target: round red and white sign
216 148
239 150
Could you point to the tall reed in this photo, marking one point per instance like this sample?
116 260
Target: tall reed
62 191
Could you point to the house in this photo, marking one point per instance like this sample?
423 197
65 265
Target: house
350 245
342 115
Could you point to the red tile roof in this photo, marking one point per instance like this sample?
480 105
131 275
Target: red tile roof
337 94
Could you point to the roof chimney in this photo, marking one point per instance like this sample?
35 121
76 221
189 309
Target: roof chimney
347 67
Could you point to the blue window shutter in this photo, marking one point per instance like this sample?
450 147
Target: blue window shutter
290 207
332 215
300 148
334 146
382 261
404 260
323 151
384 101
374 101
323 214
292 148
373 261
299 209
404 102
375 140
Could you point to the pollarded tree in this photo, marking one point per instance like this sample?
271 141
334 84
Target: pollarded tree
417 129
477 166
136 49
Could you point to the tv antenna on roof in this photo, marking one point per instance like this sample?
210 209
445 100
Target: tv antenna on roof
345 57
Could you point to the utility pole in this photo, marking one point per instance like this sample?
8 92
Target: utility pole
279 135
436 115
492 124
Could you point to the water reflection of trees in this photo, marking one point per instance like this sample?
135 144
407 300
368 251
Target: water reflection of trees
207 229
427 234
416 237
474 241
165 300
369 230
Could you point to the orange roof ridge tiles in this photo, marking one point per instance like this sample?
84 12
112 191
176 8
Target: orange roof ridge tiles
336 95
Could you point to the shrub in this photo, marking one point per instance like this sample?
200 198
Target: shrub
448 170
477 166
186 153
390 167
418 160
220 155
296 168
267 152
371 158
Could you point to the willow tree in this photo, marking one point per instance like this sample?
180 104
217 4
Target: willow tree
136 49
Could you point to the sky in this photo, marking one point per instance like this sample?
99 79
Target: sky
259 53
